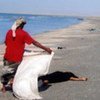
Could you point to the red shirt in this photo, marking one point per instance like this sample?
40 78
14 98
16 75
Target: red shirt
15 46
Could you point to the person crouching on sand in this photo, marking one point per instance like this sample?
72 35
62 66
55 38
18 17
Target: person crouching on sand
15 41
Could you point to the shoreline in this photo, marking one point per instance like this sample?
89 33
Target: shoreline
50 24
79 53
55 37
58 35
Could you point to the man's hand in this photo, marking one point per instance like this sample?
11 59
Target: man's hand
48 50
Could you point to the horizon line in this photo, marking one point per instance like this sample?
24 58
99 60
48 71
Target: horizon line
70 15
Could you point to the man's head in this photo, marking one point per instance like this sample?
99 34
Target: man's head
19 23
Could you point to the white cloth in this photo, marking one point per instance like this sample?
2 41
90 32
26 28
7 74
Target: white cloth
25 85
14 26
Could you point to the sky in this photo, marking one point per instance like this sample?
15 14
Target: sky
52 7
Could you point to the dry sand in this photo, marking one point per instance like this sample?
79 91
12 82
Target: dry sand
79 53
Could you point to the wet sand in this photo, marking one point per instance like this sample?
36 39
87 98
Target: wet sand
77 49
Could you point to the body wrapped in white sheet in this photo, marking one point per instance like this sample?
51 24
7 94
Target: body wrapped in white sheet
25 85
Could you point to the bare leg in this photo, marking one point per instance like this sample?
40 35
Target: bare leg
2 88
78 79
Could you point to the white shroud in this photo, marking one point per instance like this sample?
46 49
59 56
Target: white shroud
25 85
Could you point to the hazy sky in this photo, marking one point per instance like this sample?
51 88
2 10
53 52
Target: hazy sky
54 7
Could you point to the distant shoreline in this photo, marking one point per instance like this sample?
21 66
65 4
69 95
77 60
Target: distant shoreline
44 14
37 24
46 32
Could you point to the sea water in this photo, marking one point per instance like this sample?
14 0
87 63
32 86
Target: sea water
36 24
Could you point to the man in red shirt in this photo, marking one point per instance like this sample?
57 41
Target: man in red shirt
15 41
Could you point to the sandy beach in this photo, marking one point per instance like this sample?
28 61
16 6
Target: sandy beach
77 49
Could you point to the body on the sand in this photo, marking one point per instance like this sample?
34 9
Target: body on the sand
60 76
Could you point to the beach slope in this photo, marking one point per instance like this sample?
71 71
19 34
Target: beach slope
77 49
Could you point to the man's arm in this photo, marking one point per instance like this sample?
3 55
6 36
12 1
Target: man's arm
42 47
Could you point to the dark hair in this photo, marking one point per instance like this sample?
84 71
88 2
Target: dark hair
21 25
